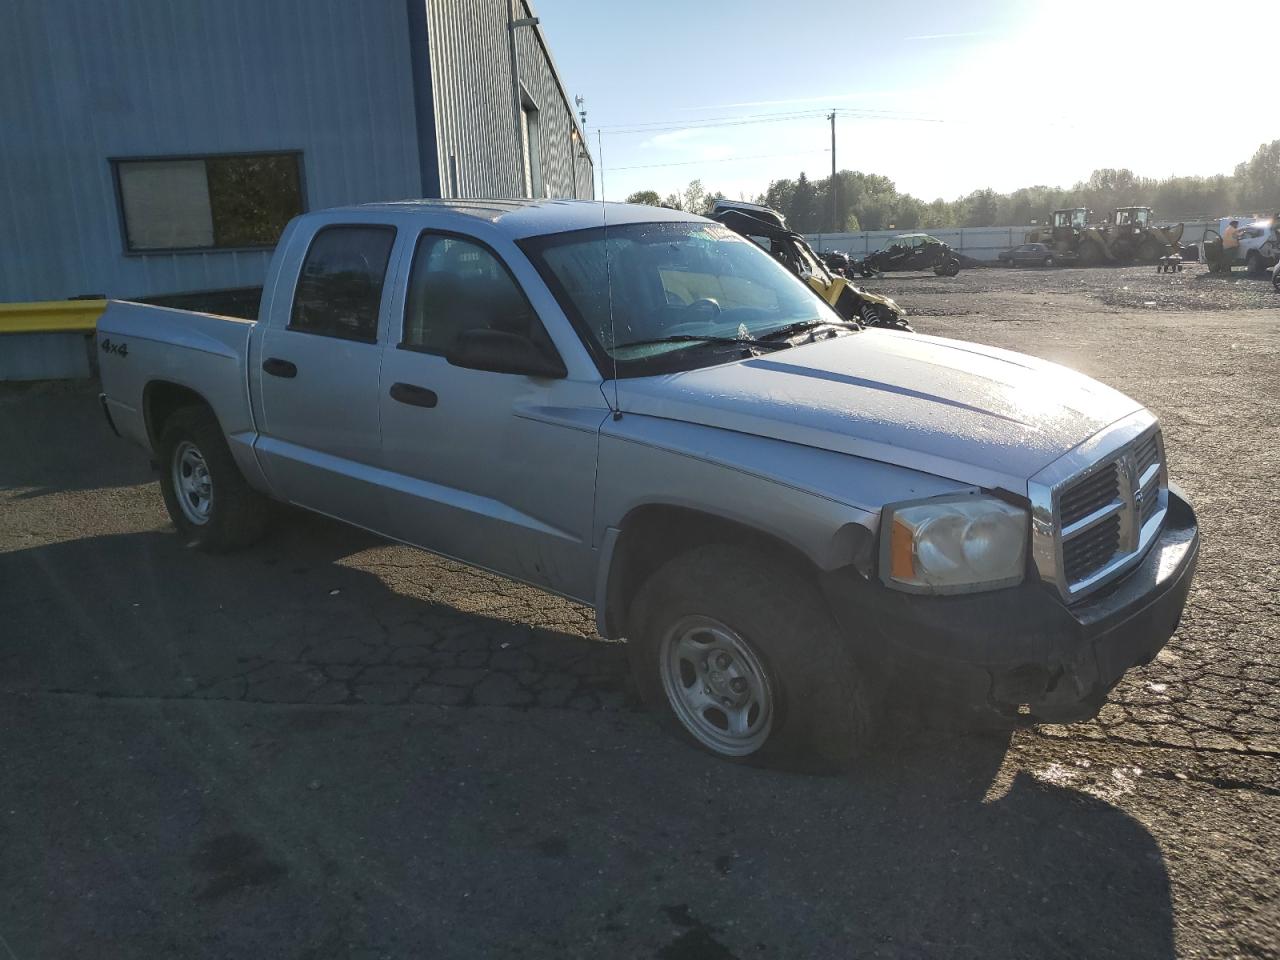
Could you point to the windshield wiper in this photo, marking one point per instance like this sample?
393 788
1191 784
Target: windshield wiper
694 338
792 329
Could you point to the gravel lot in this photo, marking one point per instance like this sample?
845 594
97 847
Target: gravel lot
328 746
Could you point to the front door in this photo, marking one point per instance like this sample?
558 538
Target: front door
495 469
320 438
1211 248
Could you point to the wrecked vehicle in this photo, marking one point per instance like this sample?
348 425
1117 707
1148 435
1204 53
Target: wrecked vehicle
1031 254
912 251
837 262
1259 248
767 229
793 521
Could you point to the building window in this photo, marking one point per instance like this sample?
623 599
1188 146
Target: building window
208 203
339 291
531 137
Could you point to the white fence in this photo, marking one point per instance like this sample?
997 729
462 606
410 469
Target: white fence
981 243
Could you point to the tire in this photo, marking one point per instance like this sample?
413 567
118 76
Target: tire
1048 261
1149 252
948 268
1090 254
1275 280
207 497
1253 261
802 701
893 321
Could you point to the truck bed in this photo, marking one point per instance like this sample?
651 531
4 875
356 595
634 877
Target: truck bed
144 348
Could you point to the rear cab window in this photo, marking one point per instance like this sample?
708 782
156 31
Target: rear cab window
340 286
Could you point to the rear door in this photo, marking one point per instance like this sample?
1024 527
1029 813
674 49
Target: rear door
495 469
319 364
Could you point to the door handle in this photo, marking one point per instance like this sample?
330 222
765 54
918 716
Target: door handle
279 368
412 395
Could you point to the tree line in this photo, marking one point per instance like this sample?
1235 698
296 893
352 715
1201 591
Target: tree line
869 201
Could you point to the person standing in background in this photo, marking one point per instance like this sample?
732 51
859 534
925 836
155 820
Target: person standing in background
1230 244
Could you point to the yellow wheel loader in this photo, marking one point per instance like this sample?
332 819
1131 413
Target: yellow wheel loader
1128 237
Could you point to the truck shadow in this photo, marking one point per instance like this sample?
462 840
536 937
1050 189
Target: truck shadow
915 854
319 613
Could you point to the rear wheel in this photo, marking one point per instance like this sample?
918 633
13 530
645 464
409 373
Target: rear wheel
206 496
1254 264
948 268
738 655
1048 261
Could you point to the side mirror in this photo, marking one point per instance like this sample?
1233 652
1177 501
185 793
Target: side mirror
500 352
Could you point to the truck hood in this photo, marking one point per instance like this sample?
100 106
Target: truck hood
954 409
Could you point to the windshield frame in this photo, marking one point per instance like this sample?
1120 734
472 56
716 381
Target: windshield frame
694 355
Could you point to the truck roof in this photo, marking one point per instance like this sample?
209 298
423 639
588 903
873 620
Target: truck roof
528 218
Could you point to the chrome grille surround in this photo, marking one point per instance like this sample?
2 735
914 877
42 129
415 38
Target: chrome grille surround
1105 536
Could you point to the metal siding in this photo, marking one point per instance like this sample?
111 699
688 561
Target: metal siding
475 102
44 356
87 80
560 164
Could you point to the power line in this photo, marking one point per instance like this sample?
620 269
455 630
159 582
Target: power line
691 163
736 118
657 126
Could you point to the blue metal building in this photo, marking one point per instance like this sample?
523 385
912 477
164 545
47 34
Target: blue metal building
153 147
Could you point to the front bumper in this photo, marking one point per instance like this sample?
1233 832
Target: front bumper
1022 650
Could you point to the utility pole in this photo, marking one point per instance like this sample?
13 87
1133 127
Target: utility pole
835 186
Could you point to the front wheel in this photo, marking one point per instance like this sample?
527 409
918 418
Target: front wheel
1048 261
1254 264
737 654
207 498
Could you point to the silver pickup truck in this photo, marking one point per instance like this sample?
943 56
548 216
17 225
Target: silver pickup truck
792 520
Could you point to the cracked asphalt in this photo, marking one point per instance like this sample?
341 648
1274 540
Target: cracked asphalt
331 746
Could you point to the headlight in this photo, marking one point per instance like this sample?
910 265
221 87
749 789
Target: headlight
958 544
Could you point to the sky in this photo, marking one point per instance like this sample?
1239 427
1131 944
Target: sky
941 97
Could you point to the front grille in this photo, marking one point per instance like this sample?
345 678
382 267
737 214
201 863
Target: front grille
1091 550
1150 500
1101 512
1088 495
1146 453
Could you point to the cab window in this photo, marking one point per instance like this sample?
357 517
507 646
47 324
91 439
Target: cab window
339 291
457 285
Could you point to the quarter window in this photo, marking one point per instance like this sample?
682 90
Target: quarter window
457 285
339 291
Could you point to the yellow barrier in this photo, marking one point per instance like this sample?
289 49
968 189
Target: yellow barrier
51 316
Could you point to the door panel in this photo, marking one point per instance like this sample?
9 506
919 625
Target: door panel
320 436
495 469
499 473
